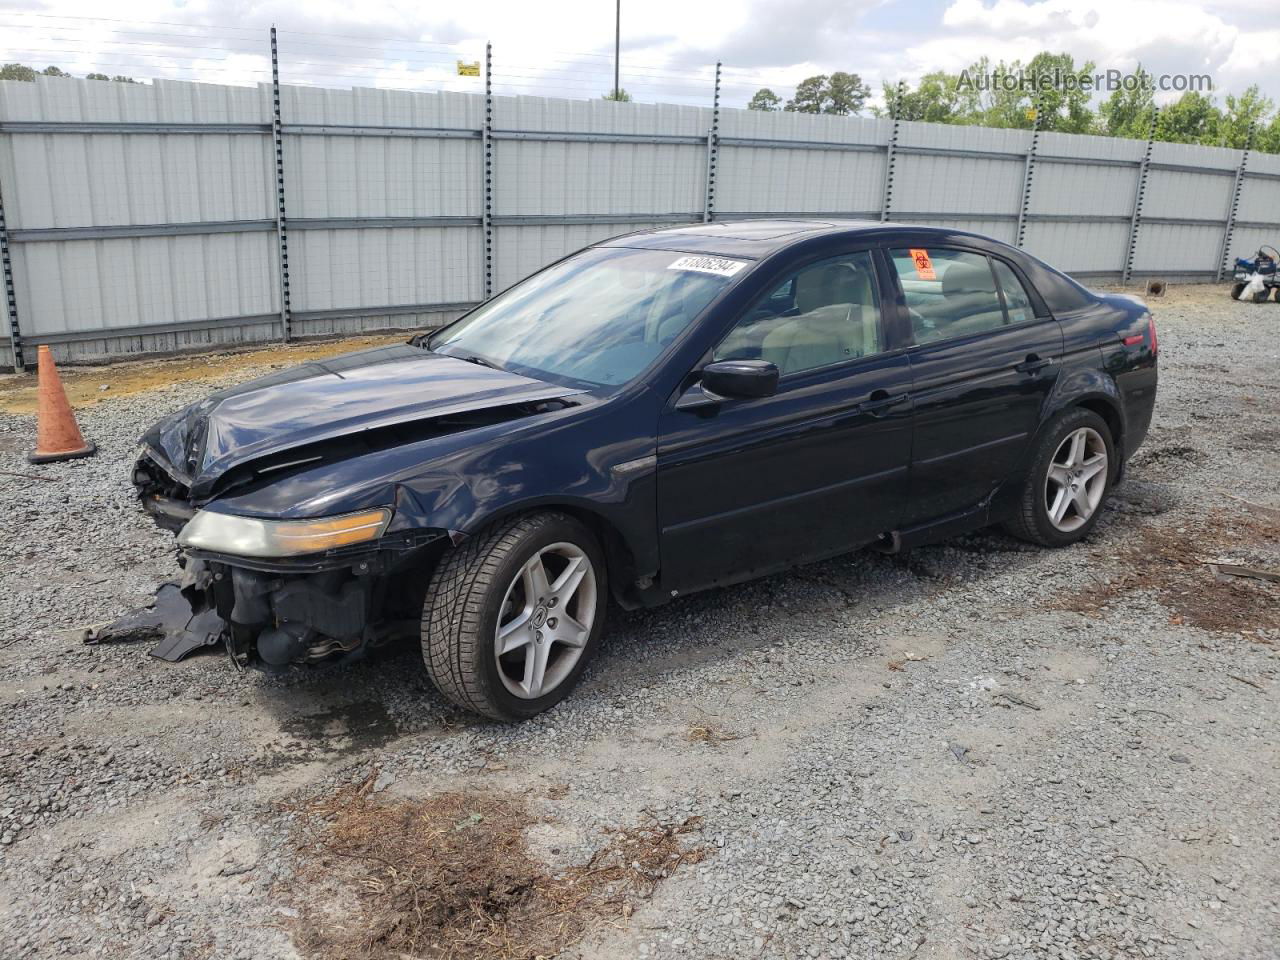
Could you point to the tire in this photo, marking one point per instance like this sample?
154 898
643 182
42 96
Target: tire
490 581
1033 520
1237 288
1262 296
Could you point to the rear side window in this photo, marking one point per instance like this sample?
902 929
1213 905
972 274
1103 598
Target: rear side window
949 293
1015 294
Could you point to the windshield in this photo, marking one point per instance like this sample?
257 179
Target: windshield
599 317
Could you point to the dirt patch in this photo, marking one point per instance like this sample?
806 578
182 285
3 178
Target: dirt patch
1168 454
1174 562
84 385
452 877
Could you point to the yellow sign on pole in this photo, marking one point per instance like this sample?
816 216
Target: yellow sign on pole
471 69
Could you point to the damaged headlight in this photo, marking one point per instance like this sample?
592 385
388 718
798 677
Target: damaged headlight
250 537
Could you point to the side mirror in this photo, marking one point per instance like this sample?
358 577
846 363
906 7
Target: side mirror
740 378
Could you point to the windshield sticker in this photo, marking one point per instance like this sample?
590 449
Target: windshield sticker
716 265
924 266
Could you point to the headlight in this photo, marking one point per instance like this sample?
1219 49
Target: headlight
249 537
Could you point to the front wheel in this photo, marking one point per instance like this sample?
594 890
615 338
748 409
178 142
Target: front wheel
513 614
1070 474
1237 288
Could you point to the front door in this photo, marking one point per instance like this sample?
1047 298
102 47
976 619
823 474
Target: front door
747 486
983 365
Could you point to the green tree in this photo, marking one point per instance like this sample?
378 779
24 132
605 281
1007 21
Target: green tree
765 99
1063 92
1267 139
809 96
935 100
17 71
846 94
1251 108
20 71
1192 118
620 95
1128 111
840 94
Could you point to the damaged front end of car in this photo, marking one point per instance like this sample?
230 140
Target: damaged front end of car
277 593
301 511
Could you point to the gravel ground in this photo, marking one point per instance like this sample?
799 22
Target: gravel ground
977 750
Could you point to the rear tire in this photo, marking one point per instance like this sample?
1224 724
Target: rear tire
513 614
1237 288
1071 471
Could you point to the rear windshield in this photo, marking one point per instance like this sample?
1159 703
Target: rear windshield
598 318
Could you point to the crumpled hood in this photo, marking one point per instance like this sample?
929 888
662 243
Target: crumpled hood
338 397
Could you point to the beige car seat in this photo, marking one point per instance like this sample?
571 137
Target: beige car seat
969 304
838 320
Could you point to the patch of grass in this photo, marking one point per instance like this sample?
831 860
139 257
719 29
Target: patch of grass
451 877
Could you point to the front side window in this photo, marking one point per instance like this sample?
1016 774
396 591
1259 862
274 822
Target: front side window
949 293
823 314
598 318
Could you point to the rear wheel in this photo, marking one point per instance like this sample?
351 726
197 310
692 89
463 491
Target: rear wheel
1237 288
512 615
1070 474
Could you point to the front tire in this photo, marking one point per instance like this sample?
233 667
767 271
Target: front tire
513 614
1071 472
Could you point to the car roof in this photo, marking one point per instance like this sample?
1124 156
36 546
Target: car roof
759 238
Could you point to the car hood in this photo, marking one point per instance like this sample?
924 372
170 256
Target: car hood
346 396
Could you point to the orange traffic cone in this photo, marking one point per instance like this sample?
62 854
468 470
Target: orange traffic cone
57 436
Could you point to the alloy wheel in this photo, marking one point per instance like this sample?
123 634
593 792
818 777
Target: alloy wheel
1076 480
545 620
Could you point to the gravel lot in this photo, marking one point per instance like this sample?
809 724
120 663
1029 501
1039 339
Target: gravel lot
977 750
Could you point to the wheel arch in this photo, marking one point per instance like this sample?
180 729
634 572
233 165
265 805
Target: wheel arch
620 551
1094 390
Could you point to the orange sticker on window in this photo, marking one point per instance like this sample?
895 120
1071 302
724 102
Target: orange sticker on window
924 266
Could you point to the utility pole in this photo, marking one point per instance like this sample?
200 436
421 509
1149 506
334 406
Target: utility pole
617 47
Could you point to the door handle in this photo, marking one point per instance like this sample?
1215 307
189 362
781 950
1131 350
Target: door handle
1032 364
880 401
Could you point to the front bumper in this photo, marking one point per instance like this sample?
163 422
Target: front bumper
280 611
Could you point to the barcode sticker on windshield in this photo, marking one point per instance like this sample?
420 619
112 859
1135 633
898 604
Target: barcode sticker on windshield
717 265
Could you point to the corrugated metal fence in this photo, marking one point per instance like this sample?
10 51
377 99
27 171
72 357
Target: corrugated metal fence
154 217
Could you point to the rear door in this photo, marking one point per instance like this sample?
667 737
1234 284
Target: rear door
984 358
753 485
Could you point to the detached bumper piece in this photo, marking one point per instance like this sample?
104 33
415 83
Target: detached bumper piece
178 618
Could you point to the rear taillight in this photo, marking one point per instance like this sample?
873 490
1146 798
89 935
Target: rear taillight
1151 334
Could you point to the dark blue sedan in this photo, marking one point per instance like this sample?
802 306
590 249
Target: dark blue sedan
660 413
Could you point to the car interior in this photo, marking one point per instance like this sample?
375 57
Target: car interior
825 314
960 300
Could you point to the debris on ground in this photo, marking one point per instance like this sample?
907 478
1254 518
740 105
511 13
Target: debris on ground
451 877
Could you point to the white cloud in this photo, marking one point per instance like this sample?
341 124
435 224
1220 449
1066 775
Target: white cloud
565 48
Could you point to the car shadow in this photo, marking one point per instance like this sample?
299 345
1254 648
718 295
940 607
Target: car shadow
357 705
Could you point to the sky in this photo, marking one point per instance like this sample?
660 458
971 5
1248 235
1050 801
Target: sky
669 47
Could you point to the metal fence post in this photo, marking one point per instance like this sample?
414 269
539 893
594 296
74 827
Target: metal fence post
1028 173
282 232
713 154
1135 220
1235 205
486 215
10 297
891 150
